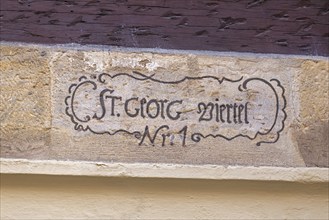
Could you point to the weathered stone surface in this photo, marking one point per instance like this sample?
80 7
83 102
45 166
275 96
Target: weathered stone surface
25 102
112 106
312 133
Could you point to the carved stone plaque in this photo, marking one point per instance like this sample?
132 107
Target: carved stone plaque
156 112
90 104
182 109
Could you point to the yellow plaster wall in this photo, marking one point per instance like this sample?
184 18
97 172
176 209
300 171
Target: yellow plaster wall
68 197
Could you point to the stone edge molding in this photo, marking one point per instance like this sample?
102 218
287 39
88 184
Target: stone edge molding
108 48
142 170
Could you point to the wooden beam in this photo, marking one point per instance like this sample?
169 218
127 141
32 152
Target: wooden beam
261 26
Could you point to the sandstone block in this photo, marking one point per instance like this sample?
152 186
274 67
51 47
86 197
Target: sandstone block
163 107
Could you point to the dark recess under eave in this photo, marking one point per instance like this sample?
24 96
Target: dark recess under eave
260 26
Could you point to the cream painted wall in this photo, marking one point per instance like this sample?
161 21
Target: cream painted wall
68 197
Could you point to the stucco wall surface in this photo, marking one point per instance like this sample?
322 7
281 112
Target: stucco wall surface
67 197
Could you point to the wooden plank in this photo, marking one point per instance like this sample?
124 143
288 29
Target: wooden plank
285 27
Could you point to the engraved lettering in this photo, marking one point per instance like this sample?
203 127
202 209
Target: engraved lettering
176 117
221 109
147 134
157 108
127 108
113 98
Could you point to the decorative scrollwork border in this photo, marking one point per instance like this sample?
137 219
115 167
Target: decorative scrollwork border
196 137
